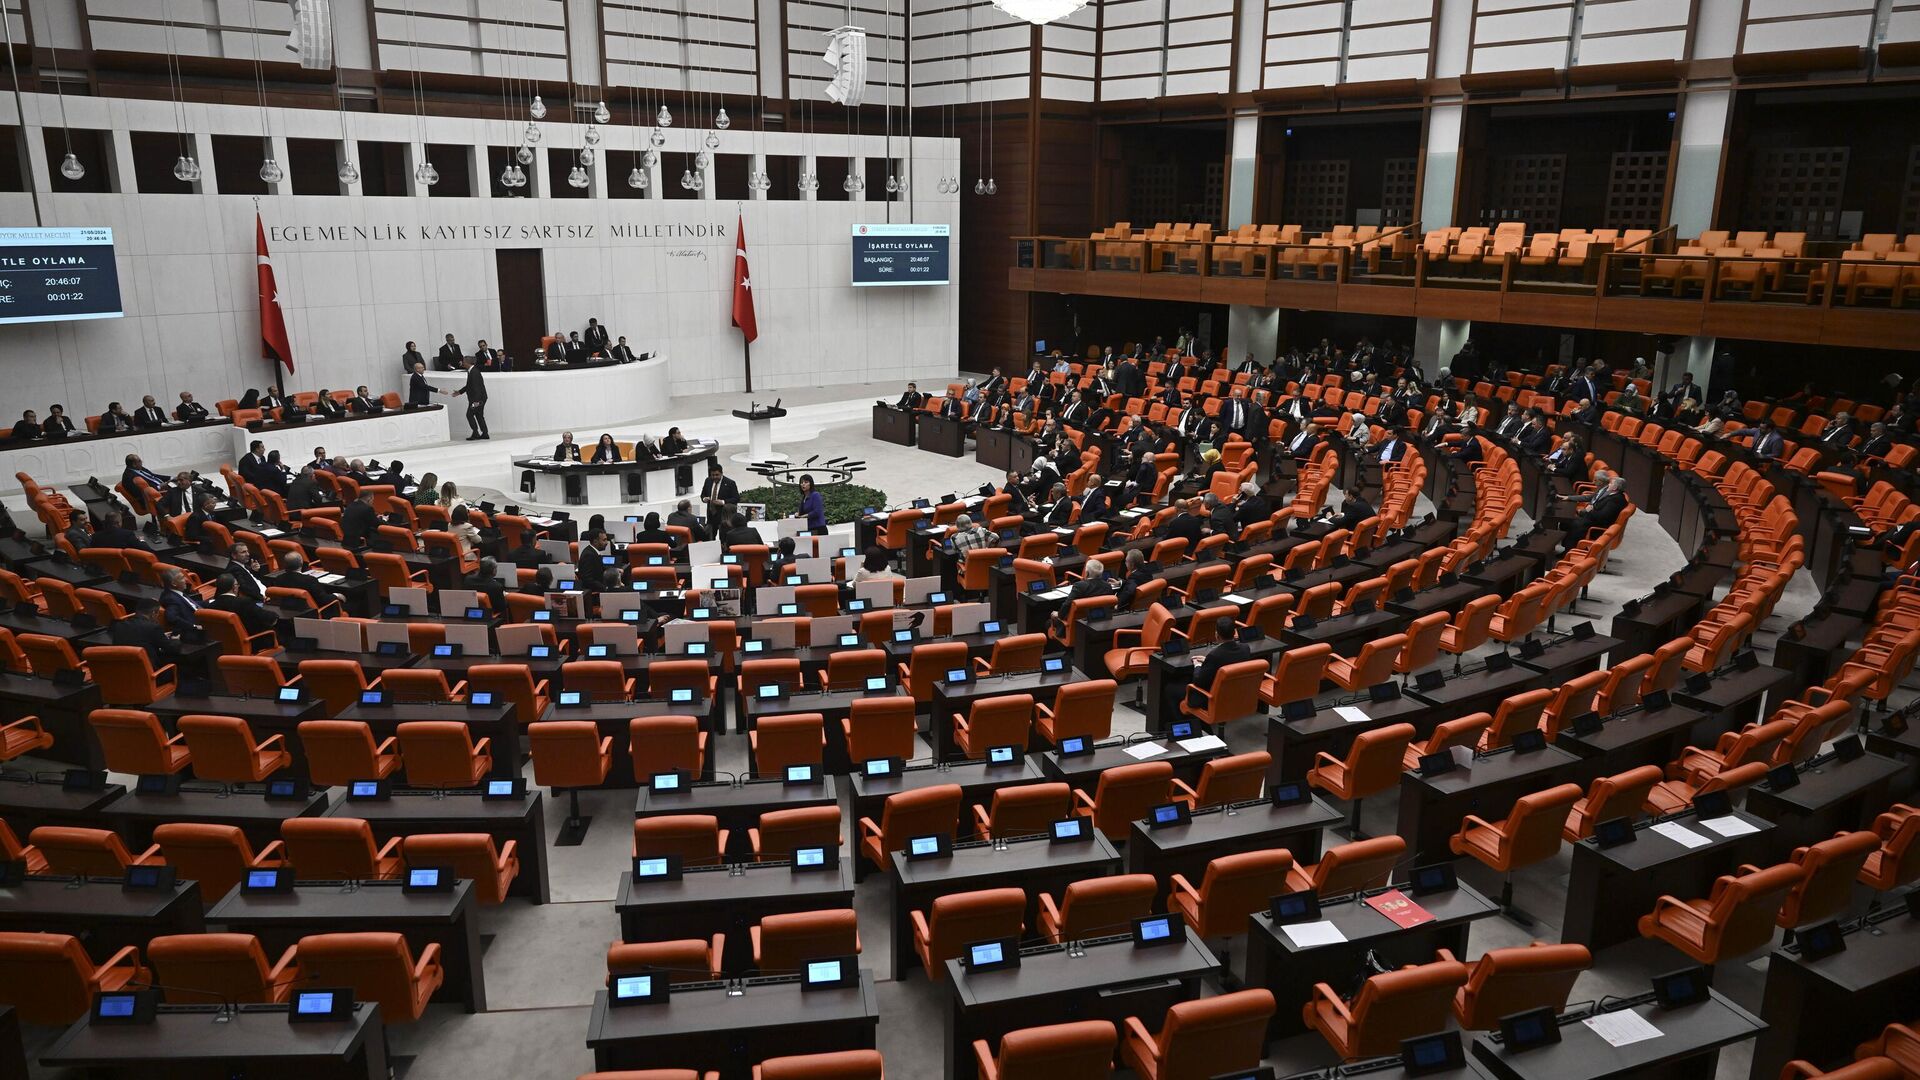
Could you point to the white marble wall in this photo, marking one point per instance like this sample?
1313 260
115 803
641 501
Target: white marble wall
188 272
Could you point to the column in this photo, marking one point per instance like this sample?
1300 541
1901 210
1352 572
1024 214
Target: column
809 164
755 166
1696 174
597 172
276 148
1253 330
119 163
1436 340
1443 167
33 138
482 171
203 154
1241 171
1689 354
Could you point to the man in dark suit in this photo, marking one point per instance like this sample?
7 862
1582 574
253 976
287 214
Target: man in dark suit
1185 525
27 429
1767 442
1839 432
951 407
419 391
596 339
189 410
1468 451
1059 507
1879 443
305 492
1220 517
1604 510
1679 391
1093 581
113 532
476 394
485 358
1393 447
272 401
740 534
684 517
358 521
1353 510
719 495
1229 651
1533 436
362 403
115 420
136 469
449 357
912 399
245 573
291 576
177 601
226 597
149 415
142 629
1130 379
1140 570
253 463
1243 418
485 580
622 353
195 528
411 357
56 425
1301 446
1020 505
1093 504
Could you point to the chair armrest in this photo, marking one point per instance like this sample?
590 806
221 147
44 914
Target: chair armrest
1183 792
1323 992
386 746
253 639
868 828
127 955
920 929
1041 710
25 721
606 745
508 851
1181 884
150 857
540 688
983 1057
270 741
166 670
1324 758
457 690
388 849
1135 634
1139 1030
981 665
429 958
1084 799
1475 819
484 746
271 855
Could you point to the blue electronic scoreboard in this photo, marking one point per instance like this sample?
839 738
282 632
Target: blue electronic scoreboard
56 275
901 255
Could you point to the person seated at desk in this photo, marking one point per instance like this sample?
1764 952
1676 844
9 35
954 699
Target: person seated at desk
273 401
177 497
528 554
141 628
739 534
27 429
684 517
79 530
1468 451
226 597
149 416
460 524
177 600
249 399
292 575
952 407
606 451
56 425
1093 581
1302 446
577 352
359 524
1768 444
567 449
411 356
1534 436
189 411
486 580
136 469
1229 651
1606 507
813 506
113 532
195 527
363 403
1568 459
1094 505
326 407
875 566
1015 489
592 571
622 353
484 358
115 420
450 357
305 492
912 399
967 535
1219 515
1139 571
1059 507
650 531
245 572
393 475
541 585
1354 509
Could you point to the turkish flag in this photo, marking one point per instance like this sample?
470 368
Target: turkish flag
743 285
273 324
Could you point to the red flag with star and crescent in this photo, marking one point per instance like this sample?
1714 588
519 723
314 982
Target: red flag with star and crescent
743 285
273 323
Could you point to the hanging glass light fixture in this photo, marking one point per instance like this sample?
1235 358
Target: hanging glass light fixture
271 172
650 159
577 177
979 187
424 173
601 114
658 138
183 169
893 184
591 136
586 155
532 134
637 179
663 118
524 155
506 176
702 161
71 167
686 179
713 140
537 109
992 188
721 120
347 173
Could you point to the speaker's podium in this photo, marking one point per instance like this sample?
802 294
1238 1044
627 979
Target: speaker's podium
760 420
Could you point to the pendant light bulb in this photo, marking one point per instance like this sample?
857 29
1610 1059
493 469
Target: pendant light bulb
637 179
538 109
348 174
663 118
650 159
591 136
721 120
72 169
533 134
713 140
601 114
183 170
270 171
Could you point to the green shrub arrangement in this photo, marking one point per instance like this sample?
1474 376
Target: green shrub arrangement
844 501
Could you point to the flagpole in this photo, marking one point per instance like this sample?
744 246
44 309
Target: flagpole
746 352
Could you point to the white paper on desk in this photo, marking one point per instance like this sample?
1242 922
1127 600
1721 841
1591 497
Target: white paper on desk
1309 935
1054 594
1145 750
1681 835
1235 598
1201 743
1351 714
1730 825
1622 1027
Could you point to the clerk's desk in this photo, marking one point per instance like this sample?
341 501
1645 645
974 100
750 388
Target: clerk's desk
1214 831
1687 1048
411 812
708 1026
709 900
1291 971
977 780
1832 796
99 911
135 814
1431 808
738 806
447 919
1032 863
941 435
893 425
1820 1009
1609 889
186 1042
1112 981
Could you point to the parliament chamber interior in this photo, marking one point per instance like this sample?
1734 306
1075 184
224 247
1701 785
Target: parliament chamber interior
1201 540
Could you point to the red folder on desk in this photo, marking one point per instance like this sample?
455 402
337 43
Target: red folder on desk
1395 905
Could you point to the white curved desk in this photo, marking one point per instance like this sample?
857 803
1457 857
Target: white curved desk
585 402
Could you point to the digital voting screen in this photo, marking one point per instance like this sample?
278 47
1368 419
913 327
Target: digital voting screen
58 275
901 254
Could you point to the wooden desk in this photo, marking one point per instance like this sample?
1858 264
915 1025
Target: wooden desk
135 815
710 1028
951 699
415 813
1295 745
1275 962
1829 798
1112 981
98 911
977 781
1688 1047
1641 737
714 900
1169 677
1609 889
185 1043
1084 772
1741 697
893 425
1431 808
1002 448
27 804
941 435
63 712
738 806
265 716
1820 1009
1659 617
1213 832
1032 863
1347 633
446 919
496 722
614 720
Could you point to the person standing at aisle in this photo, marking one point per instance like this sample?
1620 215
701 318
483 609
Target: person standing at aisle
476 394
